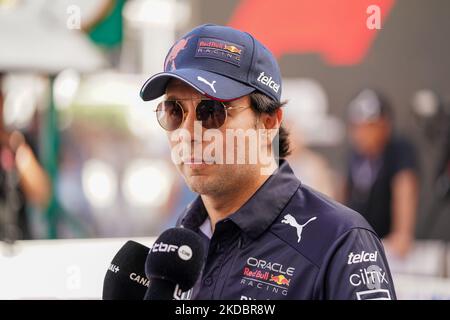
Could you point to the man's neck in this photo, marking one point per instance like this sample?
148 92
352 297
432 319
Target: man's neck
220 207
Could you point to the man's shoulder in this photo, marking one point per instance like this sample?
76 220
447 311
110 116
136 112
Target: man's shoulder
311 224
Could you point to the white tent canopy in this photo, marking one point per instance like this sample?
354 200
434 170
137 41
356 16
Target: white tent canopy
34 37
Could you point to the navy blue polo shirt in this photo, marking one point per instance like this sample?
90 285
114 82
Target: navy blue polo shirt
289 241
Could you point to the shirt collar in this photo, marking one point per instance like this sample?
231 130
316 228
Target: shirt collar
260 211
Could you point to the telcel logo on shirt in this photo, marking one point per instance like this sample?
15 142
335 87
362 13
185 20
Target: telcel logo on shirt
362 257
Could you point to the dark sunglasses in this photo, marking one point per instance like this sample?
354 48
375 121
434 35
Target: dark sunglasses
211 113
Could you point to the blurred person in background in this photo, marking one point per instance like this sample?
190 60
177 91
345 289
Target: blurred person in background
382 182
309 166
22 181
432 117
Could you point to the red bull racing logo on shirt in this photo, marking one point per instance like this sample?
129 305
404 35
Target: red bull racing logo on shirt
265 275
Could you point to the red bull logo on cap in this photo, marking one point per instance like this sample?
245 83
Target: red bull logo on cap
219 49
233 49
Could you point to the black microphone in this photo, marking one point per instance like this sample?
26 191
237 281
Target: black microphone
125 278
174 264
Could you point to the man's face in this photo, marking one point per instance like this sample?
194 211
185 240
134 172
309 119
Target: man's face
216 178
370 138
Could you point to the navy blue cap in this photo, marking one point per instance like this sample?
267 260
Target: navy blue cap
220 62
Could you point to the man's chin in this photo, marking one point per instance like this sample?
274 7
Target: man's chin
197 185
201 183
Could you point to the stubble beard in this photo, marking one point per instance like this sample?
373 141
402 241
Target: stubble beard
223 179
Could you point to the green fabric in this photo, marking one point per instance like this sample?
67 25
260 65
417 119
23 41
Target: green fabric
108 32
49 142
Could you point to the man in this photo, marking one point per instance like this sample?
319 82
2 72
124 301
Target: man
22 181
382 180
268 236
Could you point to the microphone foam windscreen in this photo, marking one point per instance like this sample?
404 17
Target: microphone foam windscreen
125 278
177 255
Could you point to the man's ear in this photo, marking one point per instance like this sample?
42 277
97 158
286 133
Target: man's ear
272 121
279 114
271 124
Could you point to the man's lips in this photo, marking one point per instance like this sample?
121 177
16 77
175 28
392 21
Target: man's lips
192 160
196 161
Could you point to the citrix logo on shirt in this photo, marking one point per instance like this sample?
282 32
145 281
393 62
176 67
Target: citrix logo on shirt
372 277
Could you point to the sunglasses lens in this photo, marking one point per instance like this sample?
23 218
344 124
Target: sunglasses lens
169 115
211 113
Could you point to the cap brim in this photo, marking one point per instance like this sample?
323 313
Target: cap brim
207 83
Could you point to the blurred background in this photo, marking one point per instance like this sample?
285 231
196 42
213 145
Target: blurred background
84 164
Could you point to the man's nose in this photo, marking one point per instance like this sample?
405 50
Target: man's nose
192 126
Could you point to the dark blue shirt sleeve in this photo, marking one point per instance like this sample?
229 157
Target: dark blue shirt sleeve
357 269
404 157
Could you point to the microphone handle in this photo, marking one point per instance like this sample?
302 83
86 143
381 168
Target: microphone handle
160 289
